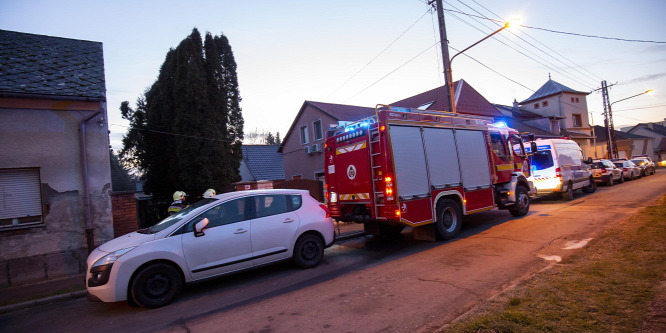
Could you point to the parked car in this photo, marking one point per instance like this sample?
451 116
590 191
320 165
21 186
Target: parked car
227 233
629 169
604 171
645 163
558 167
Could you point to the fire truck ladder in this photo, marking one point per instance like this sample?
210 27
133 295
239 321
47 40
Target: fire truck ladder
377 177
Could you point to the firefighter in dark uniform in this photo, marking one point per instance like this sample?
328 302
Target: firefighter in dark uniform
178 203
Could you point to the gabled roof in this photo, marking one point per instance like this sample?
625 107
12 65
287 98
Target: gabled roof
44 65
550 88
654 127
522 127
469 101
263 161
600 133
339 112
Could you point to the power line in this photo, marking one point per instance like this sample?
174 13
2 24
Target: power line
377 56
496 72
393 71
523 53
174 134
560 32
598 78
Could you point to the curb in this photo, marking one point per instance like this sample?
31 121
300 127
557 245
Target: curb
42 301
349 236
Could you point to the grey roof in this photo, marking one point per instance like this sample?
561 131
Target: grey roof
600 133
654 127
519 113
44 65
550 88
264 161
343 112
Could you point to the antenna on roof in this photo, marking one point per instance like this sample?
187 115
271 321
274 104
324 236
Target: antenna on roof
548 76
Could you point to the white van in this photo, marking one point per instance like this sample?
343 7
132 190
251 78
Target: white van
558 166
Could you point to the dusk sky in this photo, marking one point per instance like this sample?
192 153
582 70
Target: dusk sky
291 51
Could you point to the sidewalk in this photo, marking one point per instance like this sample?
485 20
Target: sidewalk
29 295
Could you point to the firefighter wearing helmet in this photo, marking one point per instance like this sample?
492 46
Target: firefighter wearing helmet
209 193
178 203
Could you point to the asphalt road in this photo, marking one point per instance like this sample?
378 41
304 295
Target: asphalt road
370 285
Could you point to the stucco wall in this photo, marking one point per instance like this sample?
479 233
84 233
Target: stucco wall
48 139
296 161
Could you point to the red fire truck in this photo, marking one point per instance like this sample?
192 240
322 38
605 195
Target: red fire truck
424 169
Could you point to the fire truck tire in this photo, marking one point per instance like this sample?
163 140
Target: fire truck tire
568 195
522 205
591 186
449 219
309 251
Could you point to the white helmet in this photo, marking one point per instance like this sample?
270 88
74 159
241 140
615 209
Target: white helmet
209 193
179 195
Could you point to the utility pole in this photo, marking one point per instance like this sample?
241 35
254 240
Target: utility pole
611 145
448 77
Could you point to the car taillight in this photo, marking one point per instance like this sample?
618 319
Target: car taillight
625 169
603 170
328 213
557 174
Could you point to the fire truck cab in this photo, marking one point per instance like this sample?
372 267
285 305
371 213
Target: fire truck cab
424 169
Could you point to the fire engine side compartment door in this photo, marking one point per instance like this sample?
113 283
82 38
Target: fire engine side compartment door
475 169
411 174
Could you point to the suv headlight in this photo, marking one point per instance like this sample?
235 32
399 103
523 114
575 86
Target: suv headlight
112 257
101 269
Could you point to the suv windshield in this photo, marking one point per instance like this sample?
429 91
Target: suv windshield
542 160
639 161
175 218
597 165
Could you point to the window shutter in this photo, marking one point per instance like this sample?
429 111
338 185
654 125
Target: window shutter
20 193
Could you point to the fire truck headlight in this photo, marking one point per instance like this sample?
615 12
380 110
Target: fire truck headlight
334 197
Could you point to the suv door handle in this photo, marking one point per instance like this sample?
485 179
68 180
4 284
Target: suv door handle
288 220
240 231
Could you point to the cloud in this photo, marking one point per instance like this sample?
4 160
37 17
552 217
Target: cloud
646 78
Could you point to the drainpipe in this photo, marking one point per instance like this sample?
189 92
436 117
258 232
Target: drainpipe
90 237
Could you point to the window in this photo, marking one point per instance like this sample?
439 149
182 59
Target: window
544 103
267 205
294 202
318 133
21 204
577 120
498 146
536 105
229 212
572 100
304 135
542 160
297 177
576 99
425 106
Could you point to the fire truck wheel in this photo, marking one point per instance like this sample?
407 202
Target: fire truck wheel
522 205
309 251
449 219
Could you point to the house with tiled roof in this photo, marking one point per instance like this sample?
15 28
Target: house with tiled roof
628 144
262 166
54 156
656 131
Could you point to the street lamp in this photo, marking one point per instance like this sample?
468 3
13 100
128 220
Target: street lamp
624 99
448 77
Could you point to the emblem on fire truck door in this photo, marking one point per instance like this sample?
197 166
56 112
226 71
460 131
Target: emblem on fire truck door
404 208
351 171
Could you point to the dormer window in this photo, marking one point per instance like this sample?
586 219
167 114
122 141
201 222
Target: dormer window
544 103
536 106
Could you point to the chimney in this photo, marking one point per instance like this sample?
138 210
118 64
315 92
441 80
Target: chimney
515 105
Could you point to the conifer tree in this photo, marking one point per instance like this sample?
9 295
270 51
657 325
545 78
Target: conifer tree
185 133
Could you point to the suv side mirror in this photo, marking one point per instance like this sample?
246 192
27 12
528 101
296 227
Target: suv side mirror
588 160
199 227
533 147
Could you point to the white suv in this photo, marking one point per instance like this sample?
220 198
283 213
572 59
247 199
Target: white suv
227 233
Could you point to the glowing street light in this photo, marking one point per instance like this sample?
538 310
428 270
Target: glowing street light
448 77
643 93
